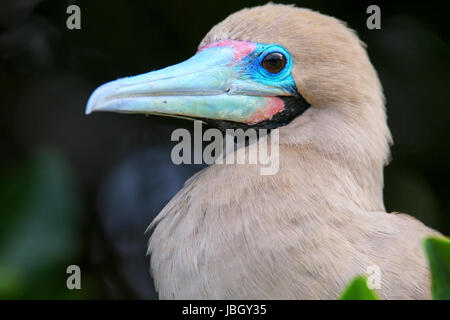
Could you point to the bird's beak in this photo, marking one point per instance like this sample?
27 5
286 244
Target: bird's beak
209 85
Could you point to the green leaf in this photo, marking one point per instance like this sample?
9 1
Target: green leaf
358 290
438 252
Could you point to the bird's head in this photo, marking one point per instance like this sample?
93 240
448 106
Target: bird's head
265 67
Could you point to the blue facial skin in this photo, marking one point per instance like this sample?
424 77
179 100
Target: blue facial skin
251 68
211 85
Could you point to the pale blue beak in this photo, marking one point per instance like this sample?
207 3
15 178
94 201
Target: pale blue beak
211 85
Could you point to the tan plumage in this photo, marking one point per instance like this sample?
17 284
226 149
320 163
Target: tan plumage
306 231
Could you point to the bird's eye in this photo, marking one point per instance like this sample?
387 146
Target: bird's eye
274 62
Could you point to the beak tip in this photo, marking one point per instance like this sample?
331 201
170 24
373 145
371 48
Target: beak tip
93 102
90 107
96 101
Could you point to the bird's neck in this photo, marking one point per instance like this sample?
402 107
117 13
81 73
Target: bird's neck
338 158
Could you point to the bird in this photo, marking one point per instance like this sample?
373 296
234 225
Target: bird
306 231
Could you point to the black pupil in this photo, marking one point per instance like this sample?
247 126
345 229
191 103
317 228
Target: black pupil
274 62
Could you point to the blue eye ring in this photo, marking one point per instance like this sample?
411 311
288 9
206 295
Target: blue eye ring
286 65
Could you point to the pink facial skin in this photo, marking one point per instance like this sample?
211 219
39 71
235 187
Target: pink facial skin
272 107
241 48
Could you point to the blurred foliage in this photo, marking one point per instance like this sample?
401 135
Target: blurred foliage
357 290
38 231
438 252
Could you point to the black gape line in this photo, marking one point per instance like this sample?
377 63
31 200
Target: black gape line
294 106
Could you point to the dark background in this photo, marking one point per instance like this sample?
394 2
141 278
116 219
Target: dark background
82 190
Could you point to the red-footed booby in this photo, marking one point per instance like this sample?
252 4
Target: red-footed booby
304 232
